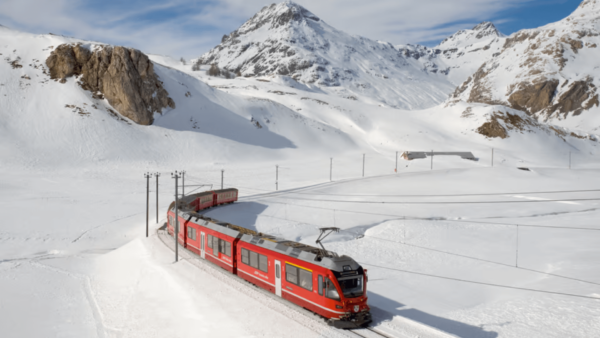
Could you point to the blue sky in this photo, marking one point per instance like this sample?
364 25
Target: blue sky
534 14
189 28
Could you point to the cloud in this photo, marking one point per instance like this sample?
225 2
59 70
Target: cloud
190 28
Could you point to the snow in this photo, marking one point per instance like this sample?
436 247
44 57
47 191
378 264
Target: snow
75 262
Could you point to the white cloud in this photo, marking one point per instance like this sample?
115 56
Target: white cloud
189 28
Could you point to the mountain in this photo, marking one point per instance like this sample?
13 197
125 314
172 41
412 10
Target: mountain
465 51
459 55
551 72
286 39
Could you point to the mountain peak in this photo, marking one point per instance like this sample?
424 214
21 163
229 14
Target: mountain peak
483 31
486 28
278 15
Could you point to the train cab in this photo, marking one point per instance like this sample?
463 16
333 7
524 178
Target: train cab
347 286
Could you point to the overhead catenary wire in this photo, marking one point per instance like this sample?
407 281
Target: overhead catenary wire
439 195
410 218
482 260
480 283
438 202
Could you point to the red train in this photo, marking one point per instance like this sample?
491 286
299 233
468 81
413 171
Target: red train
335 287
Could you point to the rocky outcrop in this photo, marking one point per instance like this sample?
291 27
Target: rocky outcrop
124 76
500 123
533 97
580 95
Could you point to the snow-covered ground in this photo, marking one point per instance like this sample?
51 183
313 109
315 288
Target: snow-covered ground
74 260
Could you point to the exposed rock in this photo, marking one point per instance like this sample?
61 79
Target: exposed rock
481 91
500 123
124 76
492 129
574 98
533 97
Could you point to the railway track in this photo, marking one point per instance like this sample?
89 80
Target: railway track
370 332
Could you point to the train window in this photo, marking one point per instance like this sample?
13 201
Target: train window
263 264
320 285
225 247
277 271
245 257
209 240
305 278
189 232
291 274
216 246
254 260
331 292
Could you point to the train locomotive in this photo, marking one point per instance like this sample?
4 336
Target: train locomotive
332 286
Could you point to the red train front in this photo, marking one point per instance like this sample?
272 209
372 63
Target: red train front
321 281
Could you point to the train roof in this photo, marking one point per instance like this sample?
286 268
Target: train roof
286 247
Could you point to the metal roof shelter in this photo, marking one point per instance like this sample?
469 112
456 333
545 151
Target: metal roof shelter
412 155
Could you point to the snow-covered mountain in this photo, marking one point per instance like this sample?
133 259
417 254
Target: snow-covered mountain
286 39
459 55
551 72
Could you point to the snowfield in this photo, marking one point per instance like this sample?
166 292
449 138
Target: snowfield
452 247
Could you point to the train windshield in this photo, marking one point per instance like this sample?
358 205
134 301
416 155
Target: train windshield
352 286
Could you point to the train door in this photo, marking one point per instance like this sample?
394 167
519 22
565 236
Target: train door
202 241
278 274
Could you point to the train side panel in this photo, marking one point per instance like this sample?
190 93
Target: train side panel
302 292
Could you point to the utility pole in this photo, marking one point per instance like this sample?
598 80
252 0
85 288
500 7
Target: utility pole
147 176
276 177
330 169
396 170
363 165
517 255
492 157
176 176
432 159
182 183
156 175
222 171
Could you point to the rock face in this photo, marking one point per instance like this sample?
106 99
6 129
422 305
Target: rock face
124 76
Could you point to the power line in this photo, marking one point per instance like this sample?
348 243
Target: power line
408 218
483 260
438 202
443 195
480 283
